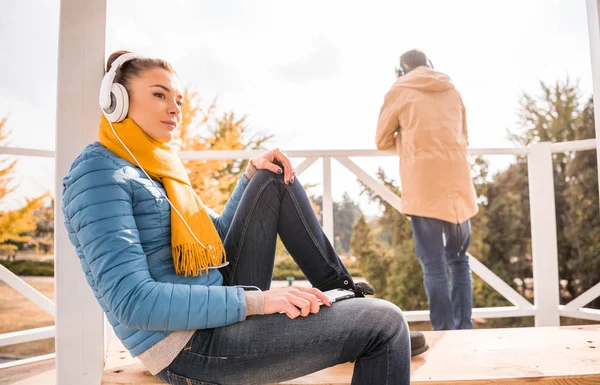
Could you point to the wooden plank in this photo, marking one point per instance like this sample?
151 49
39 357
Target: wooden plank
122 369
545 355
549 355
37 373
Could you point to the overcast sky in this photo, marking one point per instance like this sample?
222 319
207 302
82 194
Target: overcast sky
312 73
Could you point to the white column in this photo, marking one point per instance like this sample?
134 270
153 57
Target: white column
327 200
543 234
79 319
593 12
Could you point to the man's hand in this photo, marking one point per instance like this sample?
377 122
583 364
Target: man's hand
294 301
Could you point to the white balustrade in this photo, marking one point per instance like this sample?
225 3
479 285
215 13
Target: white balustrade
79 308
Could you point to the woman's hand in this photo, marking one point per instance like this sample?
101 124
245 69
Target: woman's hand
294 301
267 161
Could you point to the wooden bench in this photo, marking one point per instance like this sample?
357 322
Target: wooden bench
550 355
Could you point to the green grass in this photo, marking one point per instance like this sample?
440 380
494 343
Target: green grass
31 268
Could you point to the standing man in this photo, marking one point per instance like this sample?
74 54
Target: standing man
423 118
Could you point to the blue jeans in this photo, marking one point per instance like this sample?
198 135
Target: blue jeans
440 245
273 348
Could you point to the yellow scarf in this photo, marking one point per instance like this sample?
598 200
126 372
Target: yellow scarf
163 165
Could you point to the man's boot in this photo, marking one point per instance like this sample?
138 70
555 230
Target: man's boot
418 343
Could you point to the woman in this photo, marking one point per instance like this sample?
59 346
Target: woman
154 255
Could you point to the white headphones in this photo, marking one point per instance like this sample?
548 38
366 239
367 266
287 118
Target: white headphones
114 100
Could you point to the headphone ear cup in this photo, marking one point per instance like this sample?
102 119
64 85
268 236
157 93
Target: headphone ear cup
399 70
119 104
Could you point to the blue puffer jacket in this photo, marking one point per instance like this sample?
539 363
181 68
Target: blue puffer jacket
120 226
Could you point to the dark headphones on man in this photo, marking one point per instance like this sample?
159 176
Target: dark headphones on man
402 70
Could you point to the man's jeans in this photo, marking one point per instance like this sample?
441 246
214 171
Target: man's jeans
439 245
274 348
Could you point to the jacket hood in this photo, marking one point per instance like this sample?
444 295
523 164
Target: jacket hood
425 79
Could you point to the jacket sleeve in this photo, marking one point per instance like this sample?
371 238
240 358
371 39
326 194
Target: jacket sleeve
388 123
98 210
223 221
464 123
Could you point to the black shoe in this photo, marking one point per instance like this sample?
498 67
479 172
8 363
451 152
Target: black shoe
362 288
418 344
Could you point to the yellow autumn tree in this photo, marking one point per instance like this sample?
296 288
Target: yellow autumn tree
202 130
6 167
15 225
42 238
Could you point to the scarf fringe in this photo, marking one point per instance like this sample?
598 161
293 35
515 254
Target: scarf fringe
193 259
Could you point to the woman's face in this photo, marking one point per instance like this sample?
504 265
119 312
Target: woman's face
155 103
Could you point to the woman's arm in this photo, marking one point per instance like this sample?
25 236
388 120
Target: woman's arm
98 210
223 221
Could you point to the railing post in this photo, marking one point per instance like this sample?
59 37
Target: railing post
543 234
79 320
327 200
593 13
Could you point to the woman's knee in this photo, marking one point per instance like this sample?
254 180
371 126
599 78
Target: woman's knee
371 325
385 318
265 179
265 175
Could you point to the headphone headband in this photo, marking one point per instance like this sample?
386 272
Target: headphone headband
122 59
402 70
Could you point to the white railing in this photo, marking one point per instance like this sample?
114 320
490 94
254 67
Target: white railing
28 335
27 290
546 309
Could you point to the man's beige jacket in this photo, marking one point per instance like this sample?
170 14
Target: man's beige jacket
423 118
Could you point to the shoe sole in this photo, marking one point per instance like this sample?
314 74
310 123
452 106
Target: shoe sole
419 350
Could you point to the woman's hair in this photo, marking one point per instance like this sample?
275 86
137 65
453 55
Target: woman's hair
134 68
